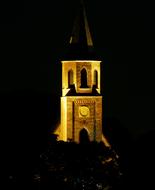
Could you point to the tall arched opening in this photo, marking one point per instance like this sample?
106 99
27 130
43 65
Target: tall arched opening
84 78
84 136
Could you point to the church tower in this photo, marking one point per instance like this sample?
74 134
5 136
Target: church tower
81 101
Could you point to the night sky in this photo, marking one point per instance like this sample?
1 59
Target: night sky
33 37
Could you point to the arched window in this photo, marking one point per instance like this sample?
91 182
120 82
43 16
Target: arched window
84 78
70 78
96 79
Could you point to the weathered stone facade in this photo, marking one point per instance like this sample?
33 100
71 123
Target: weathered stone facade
76 67
73 122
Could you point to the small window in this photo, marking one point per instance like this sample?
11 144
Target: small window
96 79
70 78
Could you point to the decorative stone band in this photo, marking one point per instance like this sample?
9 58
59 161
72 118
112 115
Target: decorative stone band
79 102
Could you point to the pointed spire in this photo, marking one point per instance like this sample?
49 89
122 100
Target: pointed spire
81 32
81 43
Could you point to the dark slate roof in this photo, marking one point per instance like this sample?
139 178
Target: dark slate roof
81 44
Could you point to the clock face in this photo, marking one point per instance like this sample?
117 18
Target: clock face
84 111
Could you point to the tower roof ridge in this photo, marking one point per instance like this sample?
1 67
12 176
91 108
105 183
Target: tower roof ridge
81 31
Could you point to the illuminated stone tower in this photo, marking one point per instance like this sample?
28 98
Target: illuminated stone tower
81 101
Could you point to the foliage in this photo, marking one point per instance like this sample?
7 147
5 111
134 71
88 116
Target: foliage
67 165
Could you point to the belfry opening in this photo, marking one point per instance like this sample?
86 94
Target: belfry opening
84 78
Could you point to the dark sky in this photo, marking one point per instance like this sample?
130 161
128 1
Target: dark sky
33 37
